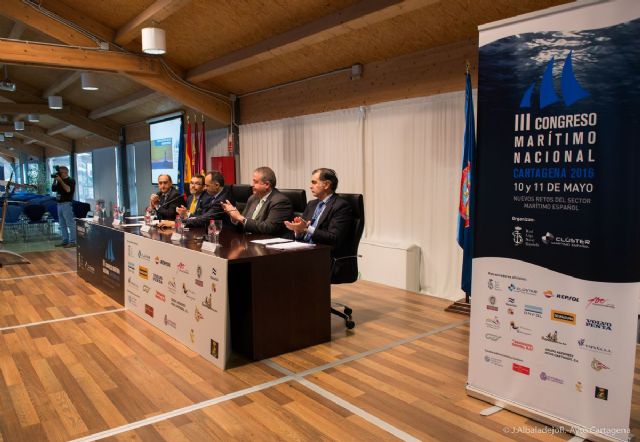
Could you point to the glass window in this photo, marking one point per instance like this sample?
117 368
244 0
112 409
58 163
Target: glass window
64 160
84 178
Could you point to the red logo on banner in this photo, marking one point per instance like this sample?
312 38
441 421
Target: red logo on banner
521 369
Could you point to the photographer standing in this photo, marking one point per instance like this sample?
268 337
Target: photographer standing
65 186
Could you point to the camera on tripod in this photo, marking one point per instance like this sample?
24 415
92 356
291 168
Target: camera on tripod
57 169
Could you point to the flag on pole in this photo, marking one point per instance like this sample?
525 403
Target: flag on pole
465 221
196 147
188 159
202 154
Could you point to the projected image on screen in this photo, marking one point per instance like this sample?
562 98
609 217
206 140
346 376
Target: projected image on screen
165 144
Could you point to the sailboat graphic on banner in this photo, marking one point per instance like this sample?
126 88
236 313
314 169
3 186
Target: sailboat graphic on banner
109 255
571 89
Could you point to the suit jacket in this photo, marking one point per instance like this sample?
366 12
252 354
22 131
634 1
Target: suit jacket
211 209
202 201
274 212
334 226
168 211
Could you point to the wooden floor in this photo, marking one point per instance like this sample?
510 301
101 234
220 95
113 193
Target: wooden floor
75 365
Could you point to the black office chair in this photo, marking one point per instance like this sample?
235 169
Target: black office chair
298 198
344 270
241 194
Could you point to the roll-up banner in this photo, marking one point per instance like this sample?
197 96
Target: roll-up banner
556 273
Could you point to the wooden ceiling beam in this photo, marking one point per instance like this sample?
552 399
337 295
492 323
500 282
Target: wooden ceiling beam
69 114
157 12
16 30
45 54
37 133
18 10
122 104
361 14
61 83
58 129
8 155
29 149
85 22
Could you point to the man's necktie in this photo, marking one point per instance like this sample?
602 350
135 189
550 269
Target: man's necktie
314 220
192 207
257 209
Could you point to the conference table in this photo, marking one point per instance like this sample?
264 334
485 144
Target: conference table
278 300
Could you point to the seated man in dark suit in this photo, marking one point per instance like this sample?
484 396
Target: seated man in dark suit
266 210
328 219
167 200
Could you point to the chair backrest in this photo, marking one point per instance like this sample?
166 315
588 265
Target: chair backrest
80 209
52 208
345 270
34 212
241 193
298 198
13 214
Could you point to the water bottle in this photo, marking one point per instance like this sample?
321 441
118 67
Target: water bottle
147 217
116 216
178 225
211 231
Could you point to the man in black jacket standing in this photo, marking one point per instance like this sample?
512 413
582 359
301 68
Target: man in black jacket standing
65 186
167 200
328 219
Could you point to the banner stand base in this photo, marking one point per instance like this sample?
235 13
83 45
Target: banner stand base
461 306
547 419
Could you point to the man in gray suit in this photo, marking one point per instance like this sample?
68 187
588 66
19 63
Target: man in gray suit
266 210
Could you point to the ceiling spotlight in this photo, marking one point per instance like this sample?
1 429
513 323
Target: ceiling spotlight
18 125
356 71
89 82
153 41
33 118
8 134
55 102
6 84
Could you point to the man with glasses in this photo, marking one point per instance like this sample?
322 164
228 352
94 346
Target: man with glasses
65 186
167 200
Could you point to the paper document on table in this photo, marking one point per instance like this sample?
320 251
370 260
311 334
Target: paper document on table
291 245
134 217
132 225
270 241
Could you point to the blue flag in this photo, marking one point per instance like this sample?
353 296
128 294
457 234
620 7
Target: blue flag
465 226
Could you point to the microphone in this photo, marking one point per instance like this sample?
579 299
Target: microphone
171 200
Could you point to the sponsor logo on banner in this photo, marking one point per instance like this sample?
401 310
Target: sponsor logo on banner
143 272
492 304
601 325
584 345
132 283
131 267
161 296
179 305
146 288
495 353
171 284
511 302
133 293
143 256
597 301
598 366
533 310
207 303
545 377
494 361
148 310
521 369
553 337
130 251
492 323
520 329
510 311
132 300
518 239
565 241
524 290
199 271
197 315
492 337
579 387
602 393
560 354
162 262
565 317
157 278
182 267
199 282
494 285
188 292
549 294
213 274
168 322
214 349
213 287
522 345
192 336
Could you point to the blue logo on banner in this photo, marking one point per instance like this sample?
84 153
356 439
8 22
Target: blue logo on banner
571 89
109 255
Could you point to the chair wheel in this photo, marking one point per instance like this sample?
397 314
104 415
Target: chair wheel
348 311
350 324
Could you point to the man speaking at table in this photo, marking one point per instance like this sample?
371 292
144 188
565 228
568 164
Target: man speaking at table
167 200
266 210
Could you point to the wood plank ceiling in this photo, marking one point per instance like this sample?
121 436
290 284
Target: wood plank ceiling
214 48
